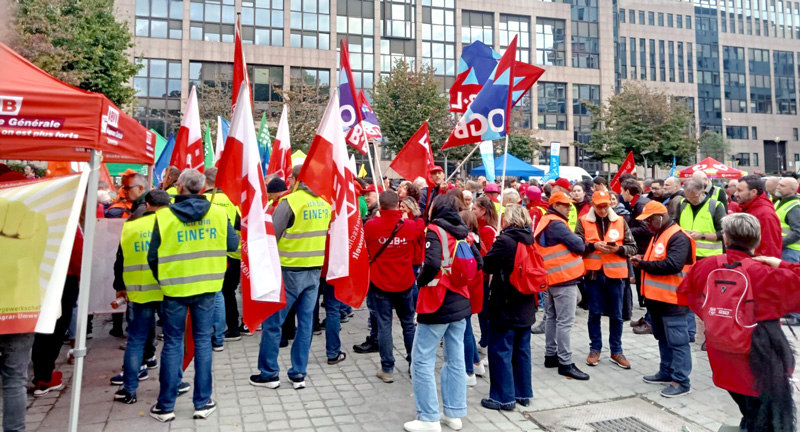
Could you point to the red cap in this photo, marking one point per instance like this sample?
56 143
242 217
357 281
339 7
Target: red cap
370 188
491 187
437 168
564 183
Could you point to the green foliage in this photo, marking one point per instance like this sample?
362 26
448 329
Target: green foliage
78 42
641 119
714 145
306 104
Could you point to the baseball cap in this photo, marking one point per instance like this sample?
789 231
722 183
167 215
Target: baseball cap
276 185
491 187
564 183
560 198
533 193
436 168
601 197
370 188
652 208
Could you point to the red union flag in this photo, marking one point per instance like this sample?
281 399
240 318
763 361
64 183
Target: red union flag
328 172
628 167
240 177
280 161
188 152
416 157
239 69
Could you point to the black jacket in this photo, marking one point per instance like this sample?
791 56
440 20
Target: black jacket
679 253
505 305
640 232
455 306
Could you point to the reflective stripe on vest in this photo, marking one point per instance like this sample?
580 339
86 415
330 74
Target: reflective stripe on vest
222 200
191 257
560 264
702 223
782 209
140 284
665 288
303 244
613 265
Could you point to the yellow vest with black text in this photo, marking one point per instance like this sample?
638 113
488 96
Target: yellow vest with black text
140 284
702 223
222 200
172 191
303 244
782 209
192 255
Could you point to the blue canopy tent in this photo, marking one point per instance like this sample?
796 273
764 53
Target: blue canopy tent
516 168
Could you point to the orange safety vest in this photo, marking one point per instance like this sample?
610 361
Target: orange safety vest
665 288
561 264
613 265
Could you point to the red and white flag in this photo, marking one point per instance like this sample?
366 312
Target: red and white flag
280 161
327 171
240 177
415 159
628 167
239 69
188 151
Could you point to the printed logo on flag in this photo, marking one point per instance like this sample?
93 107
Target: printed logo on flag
113 117
10 105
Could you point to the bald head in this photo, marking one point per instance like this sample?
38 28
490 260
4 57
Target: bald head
787 187
731 188
771 185
672 185
701 177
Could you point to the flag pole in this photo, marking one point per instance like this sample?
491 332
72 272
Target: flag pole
377 164
503 182
463 162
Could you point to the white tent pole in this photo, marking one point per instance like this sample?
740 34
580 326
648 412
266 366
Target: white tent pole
378 164
85 284
503 182
462 162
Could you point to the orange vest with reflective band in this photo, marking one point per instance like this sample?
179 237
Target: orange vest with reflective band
561 264
665 288
613 265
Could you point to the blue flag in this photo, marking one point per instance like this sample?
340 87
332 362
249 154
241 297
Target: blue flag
163 161
487 155
555 161
674 165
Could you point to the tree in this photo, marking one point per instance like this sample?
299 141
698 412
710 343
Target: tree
78 42
714 145
643 120
306 104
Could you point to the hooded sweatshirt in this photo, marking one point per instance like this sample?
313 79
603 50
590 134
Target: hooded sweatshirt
506 306
771 240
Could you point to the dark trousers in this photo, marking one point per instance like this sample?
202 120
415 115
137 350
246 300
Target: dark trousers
116 321
232 277
46 347
483 319
638 275
749 406
509 363
384 302
672 333
289 326
605 297
150 341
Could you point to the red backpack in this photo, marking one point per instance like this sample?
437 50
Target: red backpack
529 275
728 309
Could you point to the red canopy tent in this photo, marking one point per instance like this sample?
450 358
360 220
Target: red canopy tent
712 168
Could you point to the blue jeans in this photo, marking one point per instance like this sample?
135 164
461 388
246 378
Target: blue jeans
301 292
173 323
333 320
790 255
15 354
384 302
454 376
141 327
691 325
672 334
605 295
471 355
415 288
218 336
509 363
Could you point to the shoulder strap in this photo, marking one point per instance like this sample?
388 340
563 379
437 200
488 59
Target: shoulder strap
447 259
389 239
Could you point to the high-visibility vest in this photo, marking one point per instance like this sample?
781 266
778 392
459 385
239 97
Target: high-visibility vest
140 284
572 218
702 223
614 266
561 264
782 208
173 192
665 288
222 200
191 257
717 193
303 244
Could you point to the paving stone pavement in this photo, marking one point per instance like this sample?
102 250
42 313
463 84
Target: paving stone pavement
348 396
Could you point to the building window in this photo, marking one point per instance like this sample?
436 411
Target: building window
653 76
680 61
355 20
689 63
743 159
319 79
736 132
585 45
760 84
515 25
679 21
632 16
755 159
669 20
477 26
551 43
783 63
310 22
663 61
212 20
621 15
399 18
395 50
583 95
689 22
623 58
544 155
642 59
735 79
158 90
641 17
634 53
266 82
438 39
552 105
754 132
651 18
795 135
671 62
262 22
159 19
661 19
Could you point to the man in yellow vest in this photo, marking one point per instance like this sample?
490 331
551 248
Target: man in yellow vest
609 243
787 206
668 257
301 226
187 254
715 192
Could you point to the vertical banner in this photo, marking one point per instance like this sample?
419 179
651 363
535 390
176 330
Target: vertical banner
555 161
38 219
487 155
106 241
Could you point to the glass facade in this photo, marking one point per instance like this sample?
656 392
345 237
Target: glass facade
159 19
552 105
735 80
634 54
398 33
551 42
310 23
438 39
736 132
653 76
355 21
709 93
262 22
212 20
158 91
642 59
477 26
317 78
583 94
520 26
760 82
783 71
585 34
623 58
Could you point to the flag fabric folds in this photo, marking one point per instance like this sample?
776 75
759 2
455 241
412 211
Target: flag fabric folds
674 167
368 119
208 148
222 135
362 172
264 142
350 107
415 159
240 74
163 161
241 179
487 156
280 161
188 151
628 167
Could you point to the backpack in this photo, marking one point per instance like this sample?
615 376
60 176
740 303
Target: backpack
728 309
462 267
529 275
476 284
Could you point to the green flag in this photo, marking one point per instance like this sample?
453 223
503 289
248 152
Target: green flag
264 142
208 149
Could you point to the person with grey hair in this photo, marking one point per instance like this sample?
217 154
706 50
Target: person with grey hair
673 195
510 196
130 201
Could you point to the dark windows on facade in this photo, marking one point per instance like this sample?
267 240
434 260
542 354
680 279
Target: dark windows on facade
551 45
760 82
783 70
552 105
736 132
159 19
477 26
310 22
355 20
735 79
212 20
262 22
158 91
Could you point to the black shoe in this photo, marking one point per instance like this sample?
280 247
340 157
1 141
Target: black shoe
233 335
497 406
369 346
524 402
344 318
161 415
551 361
184 388
243 330
205 411
151 363
284 343
703 347
122 396
317 331
338 359
571 371
116 332
273 382
656 379
791 321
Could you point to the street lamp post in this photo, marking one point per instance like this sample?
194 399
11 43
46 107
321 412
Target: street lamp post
778 154
644 156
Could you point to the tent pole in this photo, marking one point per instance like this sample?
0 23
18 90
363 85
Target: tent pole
85 284
378 165
462 162
503 182
150 175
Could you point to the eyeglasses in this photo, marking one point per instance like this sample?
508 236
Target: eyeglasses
131 187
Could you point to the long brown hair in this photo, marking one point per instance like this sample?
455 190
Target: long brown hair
491 213
470 220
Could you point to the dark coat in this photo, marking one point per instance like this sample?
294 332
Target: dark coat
505 304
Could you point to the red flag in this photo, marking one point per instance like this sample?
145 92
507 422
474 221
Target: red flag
416 157
239 69
280 161
628 167
188 151
329 173
350 106
241 179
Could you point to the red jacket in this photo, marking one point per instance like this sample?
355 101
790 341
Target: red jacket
536 213
733 207
774 293
76 258
764 210
487 234
392 270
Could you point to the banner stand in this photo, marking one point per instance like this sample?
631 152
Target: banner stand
503 182
467 158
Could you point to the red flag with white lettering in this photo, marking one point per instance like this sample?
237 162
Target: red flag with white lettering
416 157
280 160
628 167
188 151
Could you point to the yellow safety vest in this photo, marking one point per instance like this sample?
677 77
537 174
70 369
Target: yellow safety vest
303 244
222 200
782 210
572 219
702 223
191 257
140 284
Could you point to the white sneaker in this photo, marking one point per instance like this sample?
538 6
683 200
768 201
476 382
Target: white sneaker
422 426
482 350
485 361
472 380
452 423
299 384
479 369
